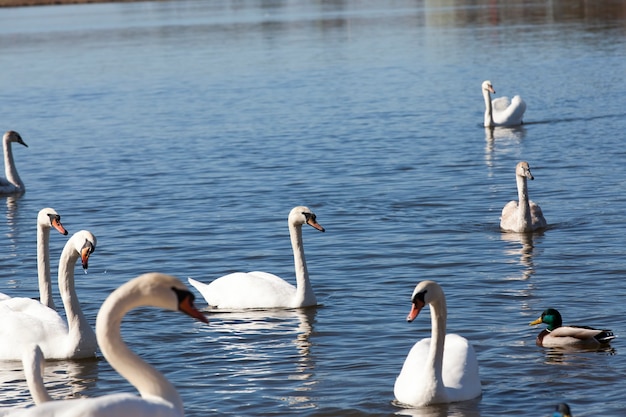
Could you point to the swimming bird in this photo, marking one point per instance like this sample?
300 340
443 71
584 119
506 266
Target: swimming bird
502 111
558 335
46 219
26 321
12 184
243 290
562 410
523 215
443 368
158 397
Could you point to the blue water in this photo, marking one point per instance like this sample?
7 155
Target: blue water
181 133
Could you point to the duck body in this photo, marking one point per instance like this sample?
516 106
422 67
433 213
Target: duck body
556 334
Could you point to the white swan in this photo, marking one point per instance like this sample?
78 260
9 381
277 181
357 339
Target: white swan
12 184
46 219
158 398
26 321
241 290
502 111
525 215
441 372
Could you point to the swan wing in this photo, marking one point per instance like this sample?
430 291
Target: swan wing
242 290
45 327
460 369
508 112
508 218
412 386
536 215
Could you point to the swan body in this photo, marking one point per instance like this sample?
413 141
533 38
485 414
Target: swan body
244 290
558 335
523 215
158 397
502 111
12 184
26 321
442 369
46 219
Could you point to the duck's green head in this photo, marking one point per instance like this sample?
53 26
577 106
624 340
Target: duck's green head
562 410
551 317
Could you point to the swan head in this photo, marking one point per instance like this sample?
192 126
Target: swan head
84 242
562 410
488 87
160 290
426 292
303 215
48 217
13 136
522 169
551 317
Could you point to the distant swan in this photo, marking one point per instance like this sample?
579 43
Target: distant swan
525 215
442 369
159 397
241 290
46 219
26 321
502 111
12 184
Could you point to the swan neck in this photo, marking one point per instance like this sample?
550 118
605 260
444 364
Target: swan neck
80 333
148 381
43 266
438 313
10 171
524 203
304 290
488 109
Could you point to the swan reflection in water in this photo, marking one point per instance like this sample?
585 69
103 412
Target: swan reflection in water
524 251
63 380
460 409
502 139
260 349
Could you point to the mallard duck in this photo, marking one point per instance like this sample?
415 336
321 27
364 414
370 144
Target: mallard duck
558 335
562 410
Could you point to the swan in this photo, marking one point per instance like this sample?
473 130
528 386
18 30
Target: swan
47 218
432 374
525 216
12 184
558 335
26 321
502 111
242 290
158 397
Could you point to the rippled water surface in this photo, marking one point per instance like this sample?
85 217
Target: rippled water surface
181 133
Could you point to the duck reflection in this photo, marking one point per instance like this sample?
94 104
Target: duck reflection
569 355
63 380
266 348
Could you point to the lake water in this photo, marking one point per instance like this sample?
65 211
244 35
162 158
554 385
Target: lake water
181 133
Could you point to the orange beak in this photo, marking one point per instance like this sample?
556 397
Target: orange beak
415 310
315 224
56 223
84 257
187 307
